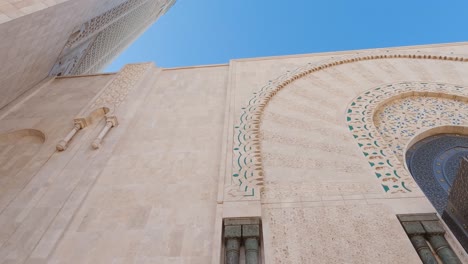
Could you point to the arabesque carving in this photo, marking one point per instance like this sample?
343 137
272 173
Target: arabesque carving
97 24
95 43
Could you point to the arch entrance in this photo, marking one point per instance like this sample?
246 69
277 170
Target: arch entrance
434 163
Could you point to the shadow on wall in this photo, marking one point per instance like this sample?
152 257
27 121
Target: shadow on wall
23 136
17 148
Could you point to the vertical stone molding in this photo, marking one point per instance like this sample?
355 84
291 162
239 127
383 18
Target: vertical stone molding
251 236
232 237
110 123
63 144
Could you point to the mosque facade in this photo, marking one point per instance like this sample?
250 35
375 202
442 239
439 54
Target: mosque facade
339 157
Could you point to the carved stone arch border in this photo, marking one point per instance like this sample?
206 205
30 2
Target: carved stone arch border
360 117
247 169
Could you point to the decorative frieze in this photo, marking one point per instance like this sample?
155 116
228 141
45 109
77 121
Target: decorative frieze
117 91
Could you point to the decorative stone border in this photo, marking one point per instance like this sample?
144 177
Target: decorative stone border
247 174
360 118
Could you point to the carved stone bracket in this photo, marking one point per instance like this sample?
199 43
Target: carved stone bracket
105 103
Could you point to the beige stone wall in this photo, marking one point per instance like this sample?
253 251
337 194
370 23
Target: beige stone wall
155 200
31 188
147 195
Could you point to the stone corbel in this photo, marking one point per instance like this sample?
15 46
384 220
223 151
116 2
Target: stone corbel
111 121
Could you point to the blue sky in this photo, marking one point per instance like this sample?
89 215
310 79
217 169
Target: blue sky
200 32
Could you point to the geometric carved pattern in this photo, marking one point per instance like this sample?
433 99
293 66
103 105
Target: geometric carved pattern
96 24
118 35
399 120
384 119
116 91
98 41
247 173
